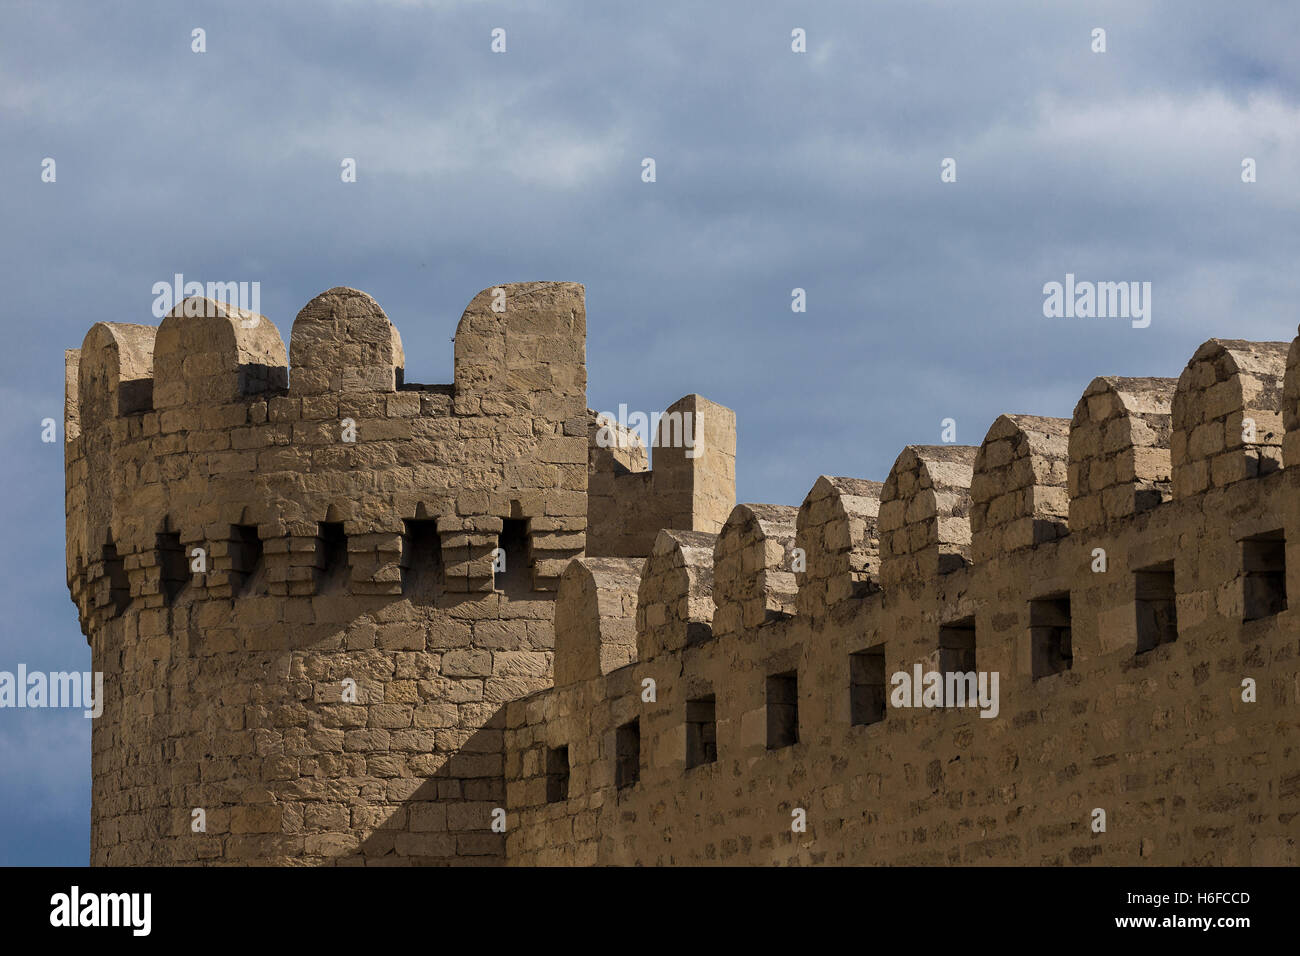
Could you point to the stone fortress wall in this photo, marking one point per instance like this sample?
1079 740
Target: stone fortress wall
1123 573
768 634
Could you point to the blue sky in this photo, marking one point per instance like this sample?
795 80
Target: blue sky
775 170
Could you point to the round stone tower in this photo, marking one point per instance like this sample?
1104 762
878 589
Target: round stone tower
312 587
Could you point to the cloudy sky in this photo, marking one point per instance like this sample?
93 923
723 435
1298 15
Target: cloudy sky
775 170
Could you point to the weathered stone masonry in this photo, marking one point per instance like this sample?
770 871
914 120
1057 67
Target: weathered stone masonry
1121 689
330 561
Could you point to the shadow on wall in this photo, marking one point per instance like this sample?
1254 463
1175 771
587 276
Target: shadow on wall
447 820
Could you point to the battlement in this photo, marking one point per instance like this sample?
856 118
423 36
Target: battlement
1123 572
692 486
198 427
